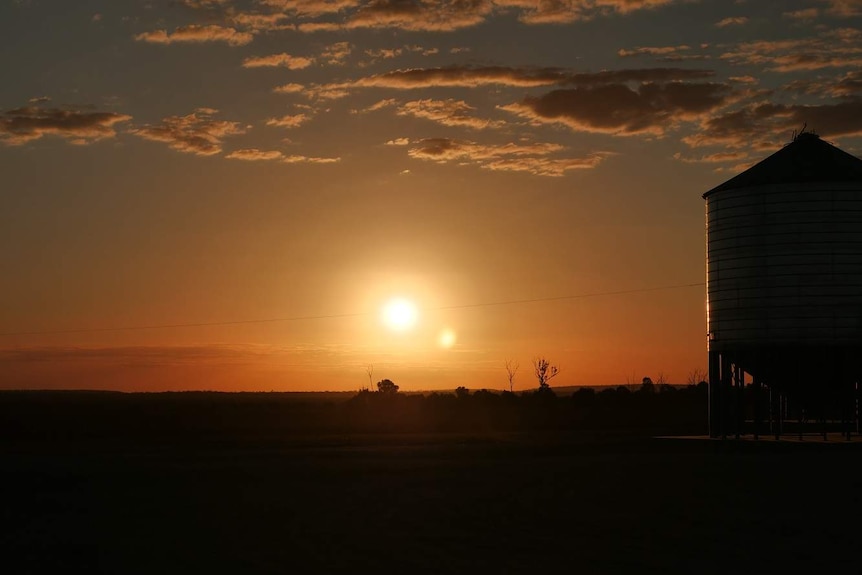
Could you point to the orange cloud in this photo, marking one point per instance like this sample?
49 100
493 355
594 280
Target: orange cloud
289 121
337 53
276 60
22 125
254 155
446 112
445 15
471 77
197 33
530 157
309 160
840 48
289 89
197 133
311 8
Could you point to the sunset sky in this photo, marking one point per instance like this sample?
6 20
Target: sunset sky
173 162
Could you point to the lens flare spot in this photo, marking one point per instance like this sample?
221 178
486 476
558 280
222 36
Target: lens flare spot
447 338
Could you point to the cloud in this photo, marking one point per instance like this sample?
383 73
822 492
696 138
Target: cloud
532 158
716 158
471 77
260 22
311 8
337 53
621 110
254 155
732 21
445 15
197 33
680 53
289 121
652 50
846 86
22 125
197 133
398 142
804 15
844 8
384 53
309 160
276 60
446 112
289 89
837 48
767 125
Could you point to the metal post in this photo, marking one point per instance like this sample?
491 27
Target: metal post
726 382
714 407
755 387
738 400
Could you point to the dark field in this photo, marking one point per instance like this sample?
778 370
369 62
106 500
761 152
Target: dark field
528 501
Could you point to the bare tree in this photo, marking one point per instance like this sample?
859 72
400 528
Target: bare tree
695 376
511 369
369 369
544 371
661 379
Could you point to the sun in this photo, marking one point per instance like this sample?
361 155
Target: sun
399 314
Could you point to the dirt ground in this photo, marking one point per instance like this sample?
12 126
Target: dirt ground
504 503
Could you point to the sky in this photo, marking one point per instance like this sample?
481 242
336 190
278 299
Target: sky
183 166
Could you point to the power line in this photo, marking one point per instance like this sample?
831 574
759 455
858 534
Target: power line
344 315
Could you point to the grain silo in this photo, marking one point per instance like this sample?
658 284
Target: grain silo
784 293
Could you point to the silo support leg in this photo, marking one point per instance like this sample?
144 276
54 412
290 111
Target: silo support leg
714 407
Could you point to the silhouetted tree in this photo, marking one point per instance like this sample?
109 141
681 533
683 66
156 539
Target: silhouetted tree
544 371
511 369
386 386
696 376
461 392
647 385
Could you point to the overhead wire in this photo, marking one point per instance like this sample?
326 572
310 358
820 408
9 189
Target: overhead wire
343 315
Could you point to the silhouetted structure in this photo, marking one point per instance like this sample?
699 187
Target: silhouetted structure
784 291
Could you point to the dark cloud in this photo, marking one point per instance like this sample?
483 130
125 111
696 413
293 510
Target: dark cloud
765 125
620 109
22 125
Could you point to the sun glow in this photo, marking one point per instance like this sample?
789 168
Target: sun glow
399 314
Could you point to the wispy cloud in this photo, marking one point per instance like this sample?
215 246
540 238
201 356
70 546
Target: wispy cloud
195 33
447 112
22 125
254 155
838 48
732 21
197 133
534 158
288 121
278 60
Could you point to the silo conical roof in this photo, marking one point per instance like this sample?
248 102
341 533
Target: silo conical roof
806 159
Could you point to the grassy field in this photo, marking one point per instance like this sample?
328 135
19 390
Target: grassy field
414 503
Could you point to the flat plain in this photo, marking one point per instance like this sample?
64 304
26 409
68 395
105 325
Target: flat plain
599 501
